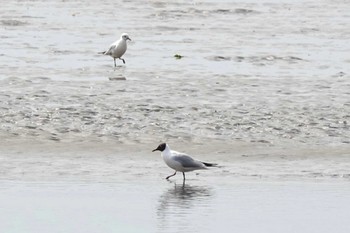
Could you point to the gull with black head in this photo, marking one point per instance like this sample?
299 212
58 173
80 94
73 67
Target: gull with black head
180 161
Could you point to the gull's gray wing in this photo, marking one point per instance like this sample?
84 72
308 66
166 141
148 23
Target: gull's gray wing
110 50
187 161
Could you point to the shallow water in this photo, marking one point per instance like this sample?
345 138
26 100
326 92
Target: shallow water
171 207
273 72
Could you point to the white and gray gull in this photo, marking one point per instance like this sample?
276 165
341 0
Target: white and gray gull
118 48
180 161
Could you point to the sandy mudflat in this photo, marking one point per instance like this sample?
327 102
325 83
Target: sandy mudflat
26 160
274 72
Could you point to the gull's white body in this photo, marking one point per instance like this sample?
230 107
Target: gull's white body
179 161
118 48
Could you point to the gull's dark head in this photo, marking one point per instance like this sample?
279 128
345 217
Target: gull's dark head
161 147
125 37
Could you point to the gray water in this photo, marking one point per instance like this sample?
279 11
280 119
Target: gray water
255 71
172 207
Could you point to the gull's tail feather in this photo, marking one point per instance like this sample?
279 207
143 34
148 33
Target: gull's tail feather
210 164
104 52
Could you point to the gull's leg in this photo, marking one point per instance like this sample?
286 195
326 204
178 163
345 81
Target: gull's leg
122 60
170 176
184 176
115 65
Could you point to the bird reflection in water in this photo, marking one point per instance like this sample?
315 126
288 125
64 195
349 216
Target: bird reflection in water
179 201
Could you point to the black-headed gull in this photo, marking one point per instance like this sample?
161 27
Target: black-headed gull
180 161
